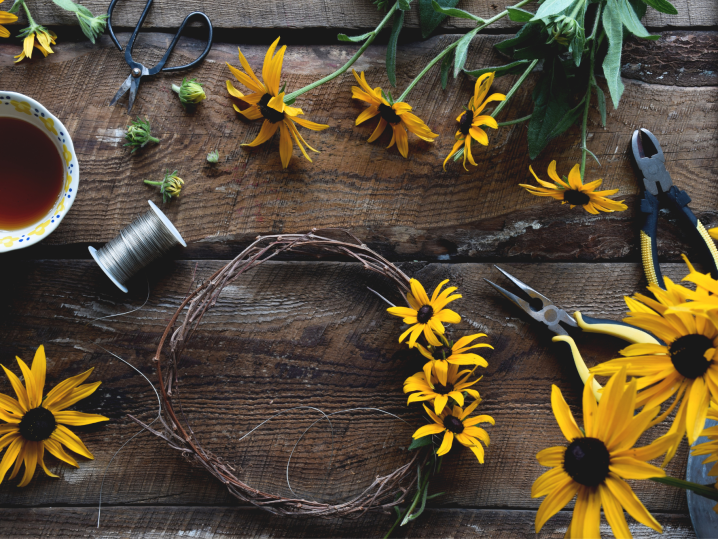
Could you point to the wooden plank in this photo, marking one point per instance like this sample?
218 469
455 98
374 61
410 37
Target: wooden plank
207 522
343 14
302 334
408 208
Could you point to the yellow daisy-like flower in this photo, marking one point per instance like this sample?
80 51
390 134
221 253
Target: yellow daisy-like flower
471 120
398 115
574 192
267 102
426 386
41 39
6 18
426 315
456 423
711 446
685 366
452 354
36 423
594 464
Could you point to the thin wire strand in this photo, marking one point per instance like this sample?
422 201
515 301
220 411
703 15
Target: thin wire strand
382 297
144 240
159 414
128 312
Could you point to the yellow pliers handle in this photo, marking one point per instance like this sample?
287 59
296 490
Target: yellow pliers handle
630 334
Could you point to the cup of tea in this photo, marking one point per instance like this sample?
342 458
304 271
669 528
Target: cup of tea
39 172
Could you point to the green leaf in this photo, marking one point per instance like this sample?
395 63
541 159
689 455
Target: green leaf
552 7
601 98
391 47
462 50
430 19
530 53
519 15
69 5
420 442
613 26
509 69
528 32
567 120
453 12
664 6
404 5
354 39
631 20
577 45
435 495
445 67
706 491
550 107
409 517
397 511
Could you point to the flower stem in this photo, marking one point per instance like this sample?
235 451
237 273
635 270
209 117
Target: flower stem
452 47
175 88
517 121
515 87
586 108
351 61
148 182
30 20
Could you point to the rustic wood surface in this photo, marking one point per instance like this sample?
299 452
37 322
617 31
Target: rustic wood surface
309 333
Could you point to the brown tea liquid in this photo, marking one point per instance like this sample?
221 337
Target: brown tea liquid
31 174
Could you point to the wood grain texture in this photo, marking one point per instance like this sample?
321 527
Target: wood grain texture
407 208
207 522
303 334
360 15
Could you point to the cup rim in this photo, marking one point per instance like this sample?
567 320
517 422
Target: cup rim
11 240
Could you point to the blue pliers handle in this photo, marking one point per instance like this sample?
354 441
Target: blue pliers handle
650 165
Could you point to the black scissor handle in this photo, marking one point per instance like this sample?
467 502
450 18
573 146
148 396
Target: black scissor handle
160 66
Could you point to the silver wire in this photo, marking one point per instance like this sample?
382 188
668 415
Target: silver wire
144 240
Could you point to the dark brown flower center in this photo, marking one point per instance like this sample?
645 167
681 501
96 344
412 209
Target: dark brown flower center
442 389
575 198
388 114
424 314
442 352
465 122
453 424
687 355
268 112
586 460
37 424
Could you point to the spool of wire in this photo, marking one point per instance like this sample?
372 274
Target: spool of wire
145 240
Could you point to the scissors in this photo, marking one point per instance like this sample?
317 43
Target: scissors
132 83
649 163
540 308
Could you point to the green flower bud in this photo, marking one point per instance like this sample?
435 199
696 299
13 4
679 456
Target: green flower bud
213 157
139 134
170 186
190 92
563 29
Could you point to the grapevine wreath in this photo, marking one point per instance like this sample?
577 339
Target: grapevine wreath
406 484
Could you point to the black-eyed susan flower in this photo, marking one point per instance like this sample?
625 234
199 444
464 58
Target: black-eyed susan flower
170 186
572 191
440 357
471 120
6 18
596 462
35 36
35 423
711 446
685 367
398 115
266 101
425 386
456 423
425 316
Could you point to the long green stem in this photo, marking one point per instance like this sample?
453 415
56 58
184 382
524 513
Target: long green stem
29 17
452 47
516 121
514 88
351 61
586 108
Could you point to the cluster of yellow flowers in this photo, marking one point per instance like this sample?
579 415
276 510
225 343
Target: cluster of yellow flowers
601 456
441 383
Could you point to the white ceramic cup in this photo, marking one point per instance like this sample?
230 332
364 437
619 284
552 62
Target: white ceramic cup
14 105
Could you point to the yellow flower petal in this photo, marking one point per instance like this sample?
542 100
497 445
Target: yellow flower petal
563 415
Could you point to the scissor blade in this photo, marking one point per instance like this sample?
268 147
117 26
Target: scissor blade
133 93
125 86
526 288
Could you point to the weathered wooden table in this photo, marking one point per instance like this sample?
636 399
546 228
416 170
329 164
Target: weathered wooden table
308 332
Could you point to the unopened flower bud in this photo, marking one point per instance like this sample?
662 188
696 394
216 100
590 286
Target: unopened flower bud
190 92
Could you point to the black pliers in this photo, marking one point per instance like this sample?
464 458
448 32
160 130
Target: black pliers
650 165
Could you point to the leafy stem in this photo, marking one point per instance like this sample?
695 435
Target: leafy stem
30 20
587 105
516 121
451 47
372 35
707 491
514 88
